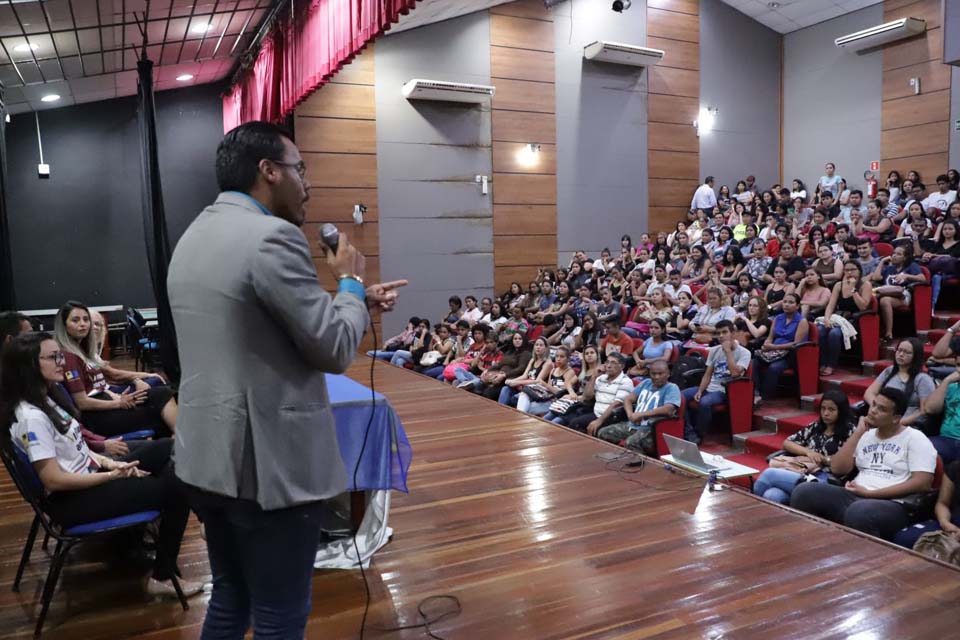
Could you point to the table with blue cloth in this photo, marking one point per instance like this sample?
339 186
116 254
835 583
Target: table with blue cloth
387 454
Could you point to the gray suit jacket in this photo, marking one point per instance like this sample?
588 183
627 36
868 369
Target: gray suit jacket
256 333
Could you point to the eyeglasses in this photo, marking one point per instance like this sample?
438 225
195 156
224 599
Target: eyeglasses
57 357
301 167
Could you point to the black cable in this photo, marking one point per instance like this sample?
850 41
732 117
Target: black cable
356 469
427 620
635 465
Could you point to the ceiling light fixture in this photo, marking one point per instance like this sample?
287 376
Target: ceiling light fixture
773 5
201 27
26 48
184 77
50 97
707 118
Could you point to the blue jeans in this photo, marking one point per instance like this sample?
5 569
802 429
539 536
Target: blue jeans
908 537
698 420
262 566
400 358
381 355
776 485
435 372
766 375
508 396
880 518
948 448
464 375
936 283
831 346
525 404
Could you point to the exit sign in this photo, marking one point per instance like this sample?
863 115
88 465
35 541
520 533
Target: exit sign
875 166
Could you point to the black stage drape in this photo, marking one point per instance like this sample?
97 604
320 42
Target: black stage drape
7 299
154 219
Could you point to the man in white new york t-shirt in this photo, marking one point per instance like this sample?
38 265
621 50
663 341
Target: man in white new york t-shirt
893 462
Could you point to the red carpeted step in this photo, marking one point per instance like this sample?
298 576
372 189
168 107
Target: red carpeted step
856 387
945 319
789 426
765 445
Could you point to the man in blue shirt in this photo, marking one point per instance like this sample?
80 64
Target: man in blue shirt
654 398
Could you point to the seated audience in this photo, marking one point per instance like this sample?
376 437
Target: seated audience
589 370
656 348
655 398
788 260
512 362
945 402
829 267
946 511
753 324
472 314
814 296
907 376
557 377
789 329
607 392
808 451
743 292
893 461
454 313
83 486
401 341
421 339
512 386
725 361
471 377
616 341
777 289
893 276
87 377
849 297
708 317
12 324
942 256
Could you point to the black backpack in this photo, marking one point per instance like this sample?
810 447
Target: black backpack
688 370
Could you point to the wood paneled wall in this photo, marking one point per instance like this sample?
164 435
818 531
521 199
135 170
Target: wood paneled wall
673 154
915 129
335 129
524 197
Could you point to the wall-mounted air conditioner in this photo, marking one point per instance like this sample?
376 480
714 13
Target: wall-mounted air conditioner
882 34
418 89
617 53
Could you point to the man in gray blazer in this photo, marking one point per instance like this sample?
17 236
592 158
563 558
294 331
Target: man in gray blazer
255 441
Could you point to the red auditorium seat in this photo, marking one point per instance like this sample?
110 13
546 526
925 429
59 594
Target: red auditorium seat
921 305
739 404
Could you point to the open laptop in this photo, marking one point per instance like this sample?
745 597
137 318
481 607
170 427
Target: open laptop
689 454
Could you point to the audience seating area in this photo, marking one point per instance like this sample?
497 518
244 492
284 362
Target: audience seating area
899 263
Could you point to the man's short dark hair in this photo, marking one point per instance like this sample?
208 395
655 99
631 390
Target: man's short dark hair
897 397
857 192
708 179
943 178
883 190
864 240
826 194
241 150
616 357
612 321
463 324
842 225
10 324
726 324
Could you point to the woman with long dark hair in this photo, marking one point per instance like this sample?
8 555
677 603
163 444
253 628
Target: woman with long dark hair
943 257
789 329
850 296
906 374
82 486
809 450
893 276
106 411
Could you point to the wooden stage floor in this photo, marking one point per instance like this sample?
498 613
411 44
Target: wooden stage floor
539 540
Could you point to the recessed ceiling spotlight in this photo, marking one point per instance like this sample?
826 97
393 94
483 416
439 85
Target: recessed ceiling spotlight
26 48
201 27
184 77
50 97
773 5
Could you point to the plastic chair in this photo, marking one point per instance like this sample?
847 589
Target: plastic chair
868 324
884 249
670 426
807 355
28 483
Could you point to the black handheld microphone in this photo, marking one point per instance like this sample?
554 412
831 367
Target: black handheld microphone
330 236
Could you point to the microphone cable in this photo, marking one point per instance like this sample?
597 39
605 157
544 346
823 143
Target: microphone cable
428 619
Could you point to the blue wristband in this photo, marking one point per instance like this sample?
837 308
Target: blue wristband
349 285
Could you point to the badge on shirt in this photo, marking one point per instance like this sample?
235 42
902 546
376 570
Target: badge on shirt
29 437
71 375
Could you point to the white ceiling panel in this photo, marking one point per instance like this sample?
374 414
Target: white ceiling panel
785 16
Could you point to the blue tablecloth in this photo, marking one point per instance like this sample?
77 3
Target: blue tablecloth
386 458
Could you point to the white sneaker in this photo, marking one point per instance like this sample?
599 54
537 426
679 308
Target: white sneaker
465 384
164 588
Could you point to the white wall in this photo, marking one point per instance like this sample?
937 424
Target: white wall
831 101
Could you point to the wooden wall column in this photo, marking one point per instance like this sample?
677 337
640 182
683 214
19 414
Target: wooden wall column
915 129
524 197
336 132
673 149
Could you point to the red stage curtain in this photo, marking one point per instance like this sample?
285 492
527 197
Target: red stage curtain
302 53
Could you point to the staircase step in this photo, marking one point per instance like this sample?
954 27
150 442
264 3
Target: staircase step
740 440
945 319
790 425
873 368
834 380
856 387
812 403
765 445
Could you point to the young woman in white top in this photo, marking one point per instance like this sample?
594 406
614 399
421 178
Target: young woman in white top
83 486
